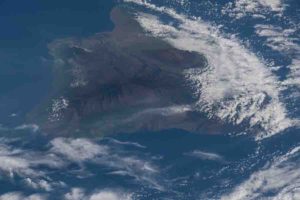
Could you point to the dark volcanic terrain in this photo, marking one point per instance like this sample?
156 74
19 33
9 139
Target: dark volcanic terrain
119 81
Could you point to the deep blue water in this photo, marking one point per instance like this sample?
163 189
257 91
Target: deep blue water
27 28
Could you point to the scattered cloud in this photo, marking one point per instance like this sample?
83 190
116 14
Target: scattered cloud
278 39
286 42
58 106
242 8
33 168
278 180
236 86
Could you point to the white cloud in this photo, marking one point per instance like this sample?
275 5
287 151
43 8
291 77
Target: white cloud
205 155
12 162
135 144
24 164
109 195
242 8
293 78
61 152
76 194
236 86
284 42
163 111
142 170
80 194
167 111
57 107
20 196
77 149
82 150
39 184
31 127
281 177
11 196
278 39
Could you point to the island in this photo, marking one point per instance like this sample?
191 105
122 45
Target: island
120 81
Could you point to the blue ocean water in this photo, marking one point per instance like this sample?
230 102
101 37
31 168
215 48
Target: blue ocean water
170 164
27 28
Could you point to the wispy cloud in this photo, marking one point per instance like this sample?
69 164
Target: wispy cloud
12 162
277 181
205 155
83 150
135 144
34 168
25 164
31 127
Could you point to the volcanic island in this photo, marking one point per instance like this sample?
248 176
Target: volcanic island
121 81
